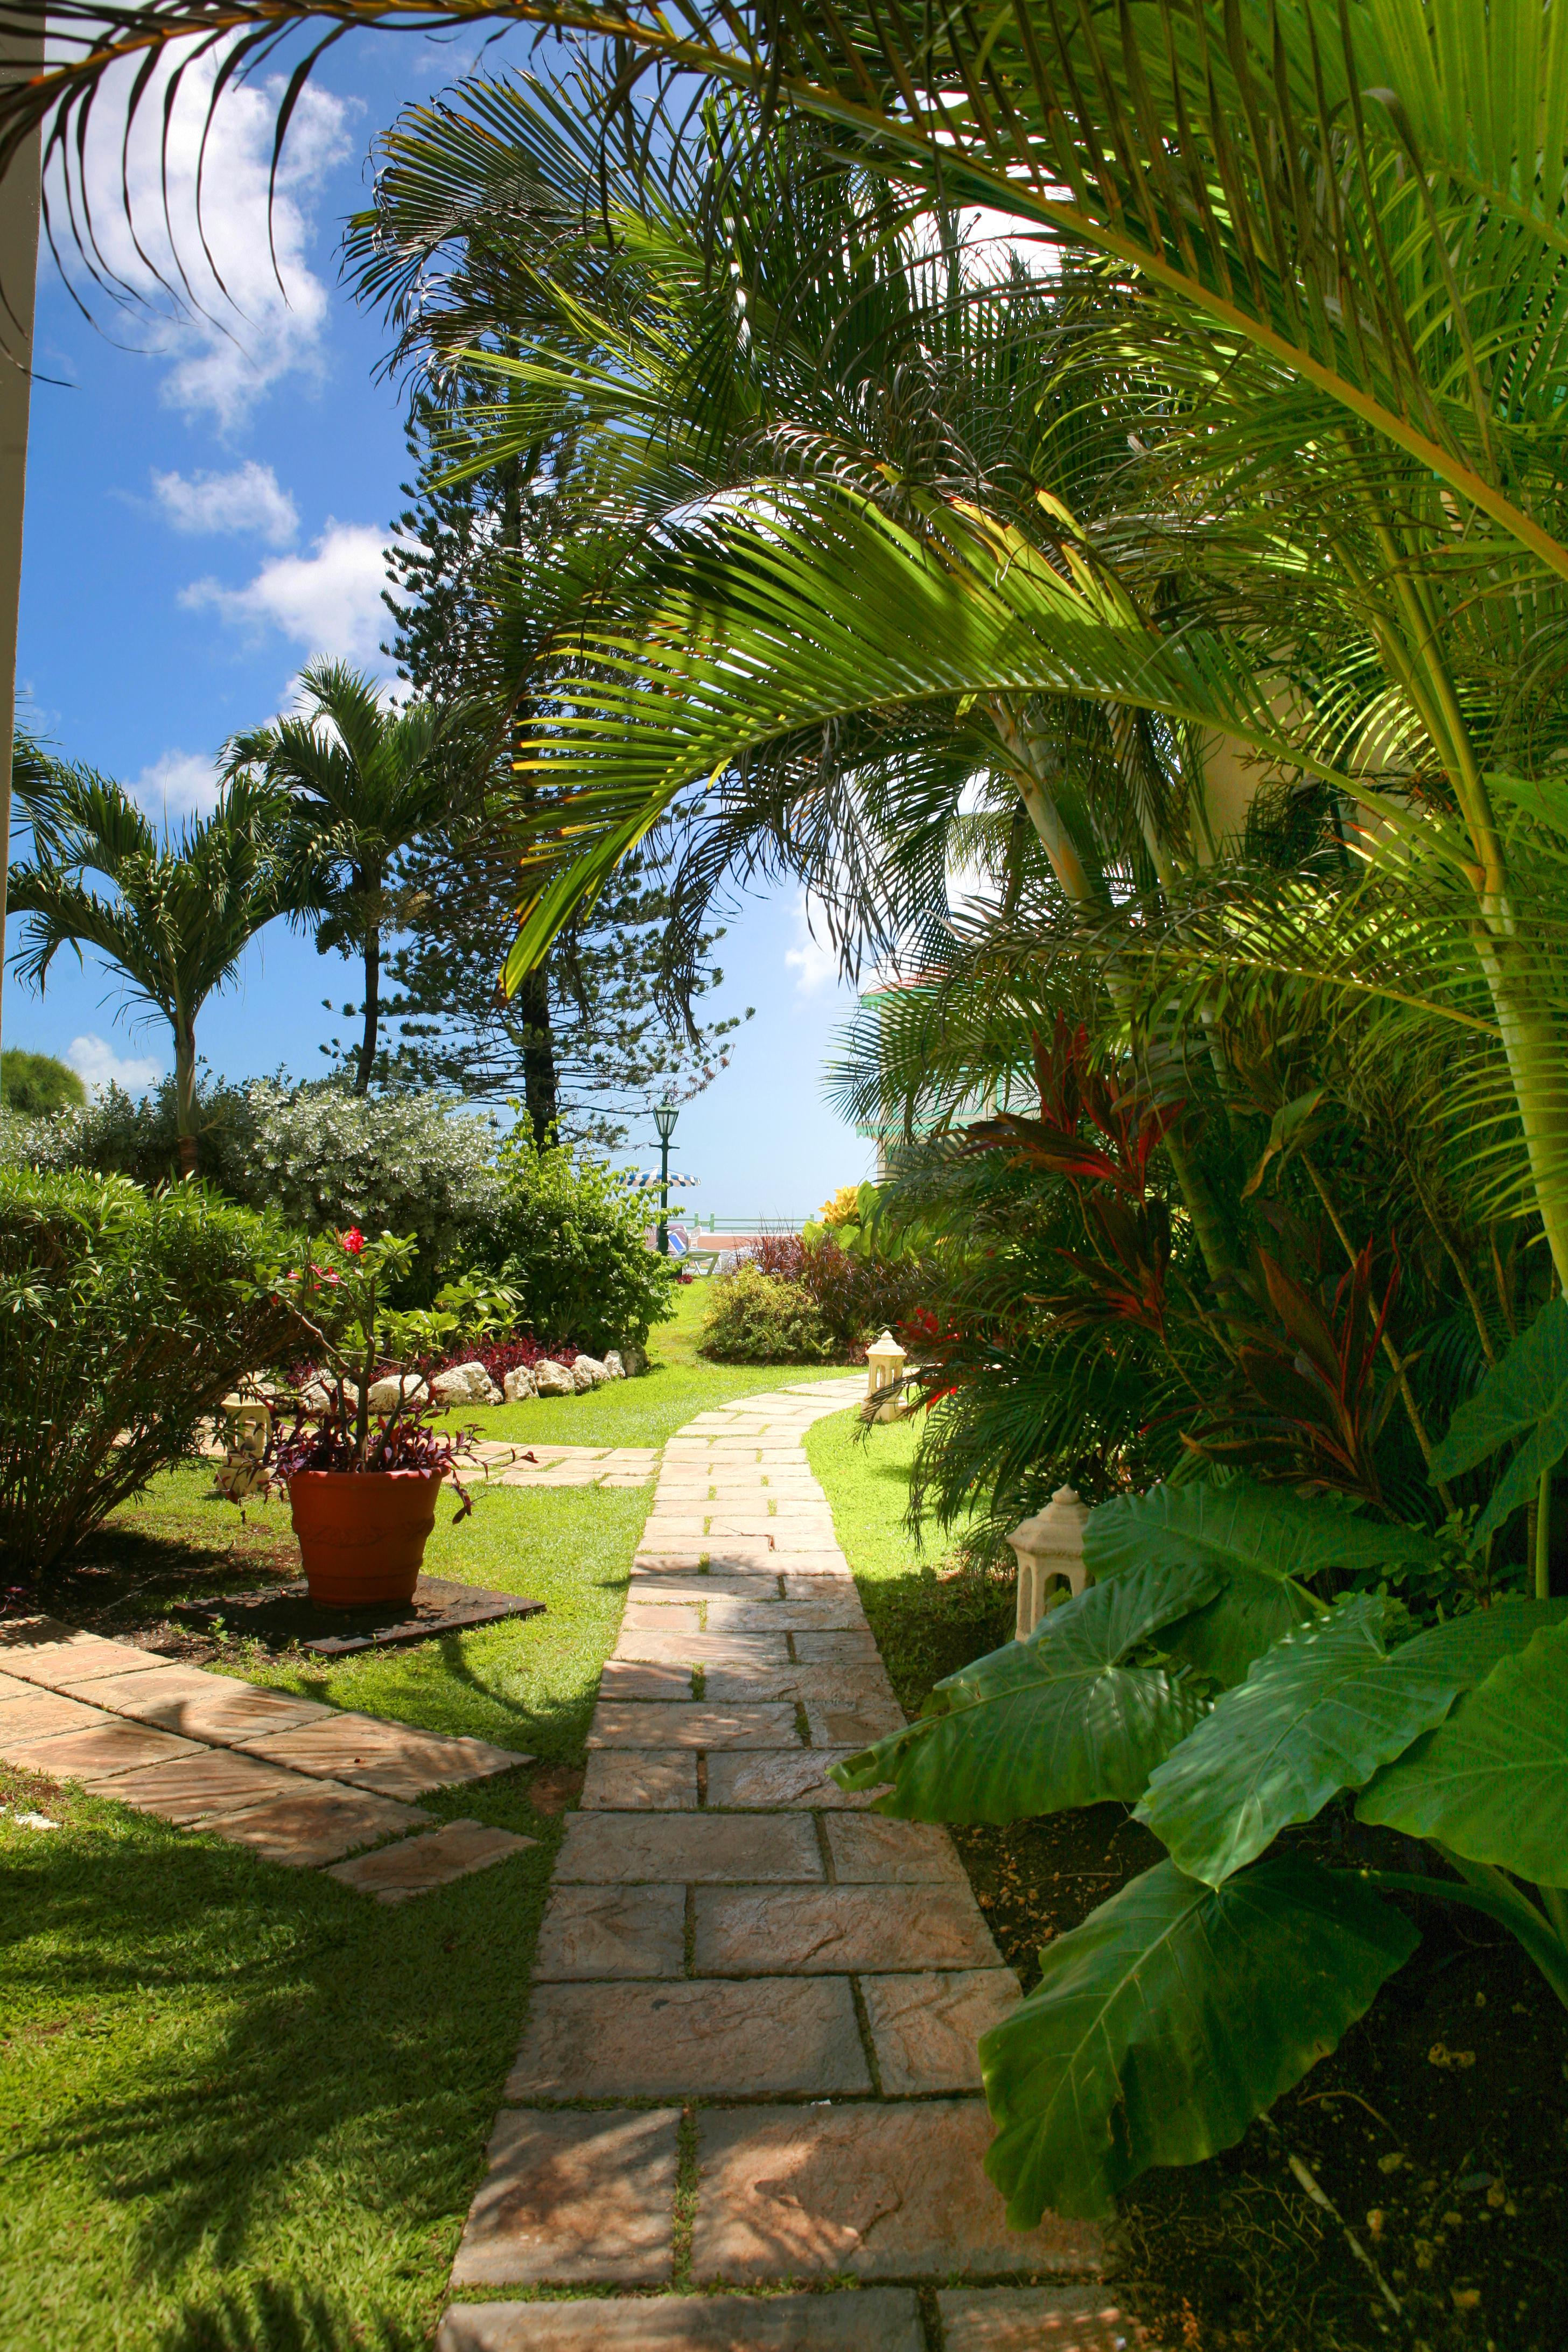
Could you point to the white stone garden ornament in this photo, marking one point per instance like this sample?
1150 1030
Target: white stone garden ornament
1049 1546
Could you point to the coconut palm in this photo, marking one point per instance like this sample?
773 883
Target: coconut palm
361 782
179 911
1367 202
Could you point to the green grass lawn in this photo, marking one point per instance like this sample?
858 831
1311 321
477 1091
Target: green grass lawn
242 2107
928 1619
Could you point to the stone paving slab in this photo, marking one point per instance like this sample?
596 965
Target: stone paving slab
389 1758
619 1723
777 1777
876 2319
224 1712
59 1664
691 2039
1037 2319
768 1527
28 1711
664 1588
298 1782
663 1616
853 1727
99 1752
711 1649
641 1678
608 1932
395 1874
878 2191
132 1693
320 1825
925 2028
838 1649
193 1787
621 1779
800 1570
788 1679
689 1850
35 1634
851 1929
572 2199
869 1849
839 1614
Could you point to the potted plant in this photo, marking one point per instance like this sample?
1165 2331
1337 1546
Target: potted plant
363 1485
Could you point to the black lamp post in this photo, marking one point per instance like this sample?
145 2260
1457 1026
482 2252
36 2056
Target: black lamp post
664 1119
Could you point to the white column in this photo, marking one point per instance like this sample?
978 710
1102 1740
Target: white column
20 54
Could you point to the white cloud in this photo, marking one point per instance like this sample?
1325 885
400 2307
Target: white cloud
98 1066
814 964
327 602
230 323
180 784
250 498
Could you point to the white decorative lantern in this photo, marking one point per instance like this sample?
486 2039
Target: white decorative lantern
248 1427
1045 1546
884 1361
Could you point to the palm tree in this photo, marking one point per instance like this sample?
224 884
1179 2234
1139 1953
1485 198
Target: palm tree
362 781
1364 204
180 911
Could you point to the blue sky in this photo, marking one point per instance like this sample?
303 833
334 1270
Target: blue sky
207 501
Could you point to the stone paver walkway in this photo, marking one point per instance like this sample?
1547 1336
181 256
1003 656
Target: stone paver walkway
296 1781
749 2056
533 1463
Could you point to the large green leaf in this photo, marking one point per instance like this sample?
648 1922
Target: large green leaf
1268 1540
1491 1781
1524 1396
1170 2019
1319 1713
1056 1721
1470 1646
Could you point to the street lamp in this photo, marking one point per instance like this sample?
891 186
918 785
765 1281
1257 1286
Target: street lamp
664 1119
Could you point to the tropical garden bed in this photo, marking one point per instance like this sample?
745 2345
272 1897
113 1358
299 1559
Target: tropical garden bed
1442 2114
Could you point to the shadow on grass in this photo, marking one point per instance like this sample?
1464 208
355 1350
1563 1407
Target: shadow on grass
269 2317
259 2070
125 1575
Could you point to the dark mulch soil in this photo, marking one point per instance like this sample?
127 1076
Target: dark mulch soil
1437 2131
1452 2174
124 1578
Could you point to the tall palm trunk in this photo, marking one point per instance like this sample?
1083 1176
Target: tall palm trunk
366 1062
184 1030
540 1077
21 55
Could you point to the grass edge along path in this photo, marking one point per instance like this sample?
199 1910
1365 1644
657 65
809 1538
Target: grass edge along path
927 1624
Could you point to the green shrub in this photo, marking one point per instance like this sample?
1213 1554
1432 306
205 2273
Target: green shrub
120 1311
760 1319
34 1084
320 1156
409 1163
570 1239
117 1134
856 1295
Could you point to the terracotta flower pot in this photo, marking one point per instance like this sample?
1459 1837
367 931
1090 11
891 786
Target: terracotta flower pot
363 1533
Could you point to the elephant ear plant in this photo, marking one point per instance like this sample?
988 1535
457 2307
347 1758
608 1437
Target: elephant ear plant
1226 1675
